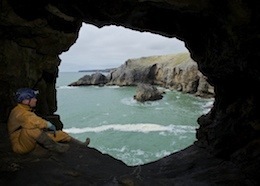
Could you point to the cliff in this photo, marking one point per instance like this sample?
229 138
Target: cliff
175 71
221 36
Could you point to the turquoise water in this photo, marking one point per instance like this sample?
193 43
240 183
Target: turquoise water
133 132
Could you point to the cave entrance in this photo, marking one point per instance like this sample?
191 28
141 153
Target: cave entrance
133 132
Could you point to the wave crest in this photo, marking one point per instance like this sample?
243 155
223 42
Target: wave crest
142 127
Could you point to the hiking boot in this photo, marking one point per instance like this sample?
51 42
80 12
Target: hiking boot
87 141
75 141
48 143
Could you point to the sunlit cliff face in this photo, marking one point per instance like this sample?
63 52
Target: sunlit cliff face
223 37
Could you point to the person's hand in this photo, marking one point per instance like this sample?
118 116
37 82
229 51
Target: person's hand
51 126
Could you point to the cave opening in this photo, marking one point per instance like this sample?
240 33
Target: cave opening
133 132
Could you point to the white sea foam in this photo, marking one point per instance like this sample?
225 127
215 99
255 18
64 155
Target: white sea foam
131 156
209 104
113 86
207 107
66 87
129 101
138 152
141 127
162 153
165 90
132 102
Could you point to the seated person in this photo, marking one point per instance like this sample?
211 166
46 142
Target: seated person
26 129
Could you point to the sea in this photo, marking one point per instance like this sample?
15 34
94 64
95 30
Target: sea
133 132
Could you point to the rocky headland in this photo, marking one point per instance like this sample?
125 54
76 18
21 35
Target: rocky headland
175 72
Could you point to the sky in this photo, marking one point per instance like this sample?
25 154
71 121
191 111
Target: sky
111 46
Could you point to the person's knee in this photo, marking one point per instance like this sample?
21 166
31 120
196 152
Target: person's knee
60 136
33 133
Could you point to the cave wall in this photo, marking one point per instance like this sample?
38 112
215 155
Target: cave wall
29 55
222 36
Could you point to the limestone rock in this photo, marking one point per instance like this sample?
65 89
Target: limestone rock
146 92
175 71
93 79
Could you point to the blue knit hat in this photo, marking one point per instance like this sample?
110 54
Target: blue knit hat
25 93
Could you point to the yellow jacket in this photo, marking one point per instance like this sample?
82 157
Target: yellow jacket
22 116
24 127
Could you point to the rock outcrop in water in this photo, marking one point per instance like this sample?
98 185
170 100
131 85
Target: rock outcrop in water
146 92
93 79
221 36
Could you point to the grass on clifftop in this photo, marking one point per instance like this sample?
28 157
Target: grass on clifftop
169 60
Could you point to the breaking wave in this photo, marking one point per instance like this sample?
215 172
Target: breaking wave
142 127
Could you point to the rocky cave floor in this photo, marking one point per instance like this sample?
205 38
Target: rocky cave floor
82 165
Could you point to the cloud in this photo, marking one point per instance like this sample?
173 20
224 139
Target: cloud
111 46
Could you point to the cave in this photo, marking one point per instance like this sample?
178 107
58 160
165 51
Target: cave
221 36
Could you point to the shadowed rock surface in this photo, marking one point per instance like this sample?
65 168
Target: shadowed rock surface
221 36
82 165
